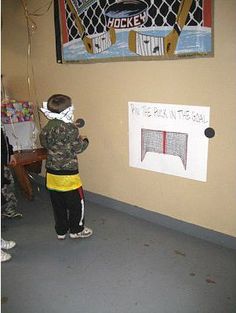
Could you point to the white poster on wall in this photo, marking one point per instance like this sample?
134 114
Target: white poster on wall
169 138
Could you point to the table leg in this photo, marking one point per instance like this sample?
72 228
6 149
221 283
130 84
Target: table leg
23 179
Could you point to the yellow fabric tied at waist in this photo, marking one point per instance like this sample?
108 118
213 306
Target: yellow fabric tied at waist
63 182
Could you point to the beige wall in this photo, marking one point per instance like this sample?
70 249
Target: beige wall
101 93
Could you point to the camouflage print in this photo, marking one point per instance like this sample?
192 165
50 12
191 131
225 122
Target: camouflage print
8 193
63 143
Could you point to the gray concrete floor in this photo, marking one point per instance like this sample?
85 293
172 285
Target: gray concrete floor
128 266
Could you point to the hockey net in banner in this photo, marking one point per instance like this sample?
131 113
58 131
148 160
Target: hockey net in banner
73 12
159 13
164 142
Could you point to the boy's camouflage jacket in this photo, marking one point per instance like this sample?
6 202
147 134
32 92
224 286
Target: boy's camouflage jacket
63 143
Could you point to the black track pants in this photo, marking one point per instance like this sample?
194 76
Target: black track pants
68 210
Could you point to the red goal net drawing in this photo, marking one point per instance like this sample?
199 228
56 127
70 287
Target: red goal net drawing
164 142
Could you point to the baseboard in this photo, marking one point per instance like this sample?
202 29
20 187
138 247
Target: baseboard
163 220
157 218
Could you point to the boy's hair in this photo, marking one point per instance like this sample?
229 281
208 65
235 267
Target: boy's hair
58 103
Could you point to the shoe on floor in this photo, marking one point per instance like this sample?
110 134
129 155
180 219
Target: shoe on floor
5 256
7 244
11 213
61 237
85 233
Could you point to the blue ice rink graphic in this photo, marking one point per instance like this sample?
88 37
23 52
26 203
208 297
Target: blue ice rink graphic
191 42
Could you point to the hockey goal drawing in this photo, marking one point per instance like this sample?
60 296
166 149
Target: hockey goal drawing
168 139
87 22
164 142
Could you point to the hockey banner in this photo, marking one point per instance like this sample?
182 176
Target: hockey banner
169 138
125 30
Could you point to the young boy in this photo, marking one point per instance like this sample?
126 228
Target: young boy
61 139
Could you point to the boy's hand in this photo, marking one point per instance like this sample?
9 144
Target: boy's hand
83 143
83 138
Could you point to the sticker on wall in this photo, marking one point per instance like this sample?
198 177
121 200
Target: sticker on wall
170 138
